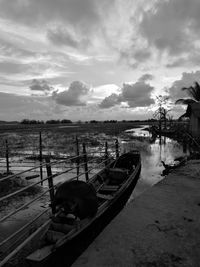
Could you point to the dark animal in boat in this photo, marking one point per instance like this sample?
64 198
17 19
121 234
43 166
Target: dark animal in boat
168 168
77 198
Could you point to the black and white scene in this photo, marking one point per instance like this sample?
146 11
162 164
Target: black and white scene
99 133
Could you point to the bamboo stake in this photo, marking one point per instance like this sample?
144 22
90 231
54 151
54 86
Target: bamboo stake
85 162
78 159
106 153
7 158
117 148
50 183
40 147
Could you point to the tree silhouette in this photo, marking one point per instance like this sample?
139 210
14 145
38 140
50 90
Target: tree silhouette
194 94
161 114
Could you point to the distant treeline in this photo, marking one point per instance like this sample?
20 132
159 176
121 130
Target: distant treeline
27 121
115 121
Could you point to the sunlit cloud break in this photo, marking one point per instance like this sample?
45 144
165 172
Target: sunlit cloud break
67 58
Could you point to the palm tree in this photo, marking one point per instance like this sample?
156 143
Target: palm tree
194 93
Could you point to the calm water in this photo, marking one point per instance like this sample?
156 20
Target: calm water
152 152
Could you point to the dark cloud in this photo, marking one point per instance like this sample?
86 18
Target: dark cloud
146 77
40 85
172 25
135 95
186 80
110 101
73 96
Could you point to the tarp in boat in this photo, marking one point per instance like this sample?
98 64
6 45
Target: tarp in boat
77 197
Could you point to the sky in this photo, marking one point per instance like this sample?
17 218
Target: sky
91 59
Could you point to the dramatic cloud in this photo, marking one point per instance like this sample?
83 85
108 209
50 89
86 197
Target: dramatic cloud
40 86
85 14
144 45
165 32
110 101
186 80
172 26
135 95
74 96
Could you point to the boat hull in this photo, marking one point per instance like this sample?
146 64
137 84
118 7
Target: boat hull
69 252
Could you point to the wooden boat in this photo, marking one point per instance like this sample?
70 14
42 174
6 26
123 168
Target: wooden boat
64 237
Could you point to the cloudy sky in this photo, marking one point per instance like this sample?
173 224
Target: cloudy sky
91 59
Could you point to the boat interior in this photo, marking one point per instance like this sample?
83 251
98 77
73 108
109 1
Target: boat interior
107 184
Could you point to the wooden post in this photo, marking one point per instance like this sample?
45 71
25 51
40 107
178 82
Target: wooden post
7 158
117 148
85 162
78 158
40 157
50 183
106 153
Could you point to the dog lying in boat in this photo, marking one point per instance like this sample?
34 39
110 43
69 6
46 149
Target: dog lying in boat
77 198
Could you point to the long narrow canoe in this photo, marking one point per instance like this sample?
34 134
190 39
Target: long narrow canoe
68 234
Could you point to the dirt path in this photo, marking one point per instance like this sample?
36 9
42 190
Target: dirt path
159 228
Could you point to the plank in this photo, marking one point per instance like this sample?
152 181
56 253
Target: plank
107 197
40 255
112 188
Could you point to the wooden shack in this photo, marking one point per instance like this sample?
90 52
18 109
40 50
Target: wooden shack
194 127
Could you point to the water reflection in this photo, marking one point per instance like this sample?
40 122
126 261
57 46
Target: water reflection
152 153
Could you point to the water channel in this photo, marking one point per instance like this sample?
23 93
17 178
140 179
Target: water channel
152 153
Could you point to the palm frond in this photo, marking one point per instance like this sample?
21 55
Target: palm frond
185 101
193 91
